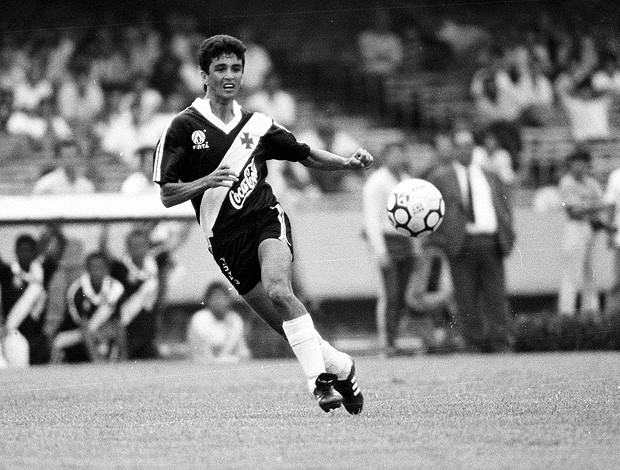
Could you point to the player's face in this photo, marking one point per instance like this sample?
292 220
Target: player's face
224 78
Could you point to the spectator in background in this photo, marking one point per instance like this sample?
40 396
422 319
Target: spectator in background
110 64
33 87
127 131
90 330
24 297
284 177
587 109
166 77
68 177
476 237
612 304
216 332
491 156
394 255
165 237
80 96
607 77
12 147
258 62
43 126
326 135
582 198
271 99
137 272
381 55
141 180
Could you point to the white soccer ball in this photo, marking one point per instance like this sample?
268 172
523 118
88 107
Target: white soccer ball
416 208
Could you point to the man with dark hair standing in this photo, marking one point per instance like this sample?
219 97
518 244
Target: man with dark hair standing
476 236
215 154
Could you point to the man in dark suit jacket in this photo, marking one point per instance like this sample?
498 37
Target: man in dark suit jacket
476 235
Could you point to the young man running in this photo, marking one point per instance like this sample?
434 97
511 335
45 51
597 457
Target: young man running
214 154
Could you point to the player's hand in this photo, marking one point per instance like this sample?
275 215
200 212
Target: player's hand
360 159
223 176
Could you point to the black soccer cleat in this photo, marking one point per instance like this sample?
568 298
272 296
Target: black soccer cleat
328 398
353 400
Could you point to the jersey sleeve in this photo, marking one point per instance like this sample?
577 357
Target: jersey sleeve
169 154
282 145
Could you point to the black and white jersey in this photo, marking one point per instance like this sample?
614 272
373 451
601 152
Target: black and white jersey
83 301
197 142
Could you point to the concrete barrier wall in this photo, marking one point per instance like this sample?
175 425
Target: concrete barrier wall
332 259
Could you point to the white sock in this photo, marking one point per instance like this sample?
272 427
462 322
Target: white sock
304 340
336 362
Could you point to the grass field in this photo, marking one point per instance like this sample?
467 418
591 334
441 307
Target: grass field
547 411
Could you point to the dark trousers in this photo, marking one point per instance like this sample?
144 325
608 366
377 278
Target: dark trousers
480 294
396 278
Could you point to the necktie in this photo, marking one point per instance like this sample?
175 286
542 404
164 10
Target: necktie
470 199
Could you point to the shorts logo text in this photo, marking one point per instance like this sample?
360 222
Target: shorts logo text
227 273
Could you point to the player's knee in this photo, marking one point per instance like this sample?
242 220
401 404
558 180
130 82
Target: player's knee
280 293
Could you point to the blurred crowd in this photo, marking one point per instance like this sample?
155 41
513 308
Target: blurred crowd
79 101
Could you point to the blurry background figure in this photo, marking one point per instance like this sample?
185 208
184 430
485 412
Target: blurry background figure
393 253
381 55
69 175
141 180
612 304
13 147
324 133
582 198
587 108
285 178
164 237
491 156
258 63
216 332
137 272
430 298
23 304
476 237
91 330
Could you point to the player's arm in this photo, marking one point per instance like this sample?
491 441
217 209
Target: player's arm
172 194
324 160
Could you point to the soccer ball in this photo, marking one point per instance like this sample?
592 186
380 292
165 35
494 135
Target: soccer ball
416 208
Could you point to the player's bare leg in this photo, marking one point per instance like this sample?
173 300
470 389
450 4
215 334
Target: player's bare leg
274 300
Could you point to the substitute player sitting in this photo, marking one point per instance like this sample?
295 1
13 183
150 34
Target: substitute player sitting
214 154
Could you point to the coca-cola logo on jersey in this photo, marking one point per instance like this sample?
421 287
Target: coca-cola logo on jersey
248 183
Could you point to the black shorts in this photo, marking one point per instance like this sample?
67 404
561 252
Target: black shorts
237 256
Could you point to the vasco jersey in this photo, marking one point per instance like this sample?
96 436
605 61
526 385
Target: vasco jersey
197 142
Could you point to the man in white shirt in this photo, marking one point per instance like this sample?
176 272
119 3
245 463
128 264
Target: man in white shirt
476 235
68 177
392 252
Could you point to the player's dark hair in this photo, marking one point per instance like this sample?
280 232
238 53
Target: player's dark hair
137 232
580 154
26 239
97 255
214 287
62 144
213 47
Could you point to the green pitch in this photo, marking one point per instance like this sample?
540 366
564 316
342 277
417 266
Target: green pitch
525 411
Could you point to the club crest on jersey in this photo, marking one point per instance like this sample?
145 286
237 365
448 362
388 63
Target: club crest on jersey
200 140
246 186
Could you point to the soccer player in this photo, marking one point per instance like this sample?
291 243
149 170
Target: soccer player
90 329
137 272
214 154
23 301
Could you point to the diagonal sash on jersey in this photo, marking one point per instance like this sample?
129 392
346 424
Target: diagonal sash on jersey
236 158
